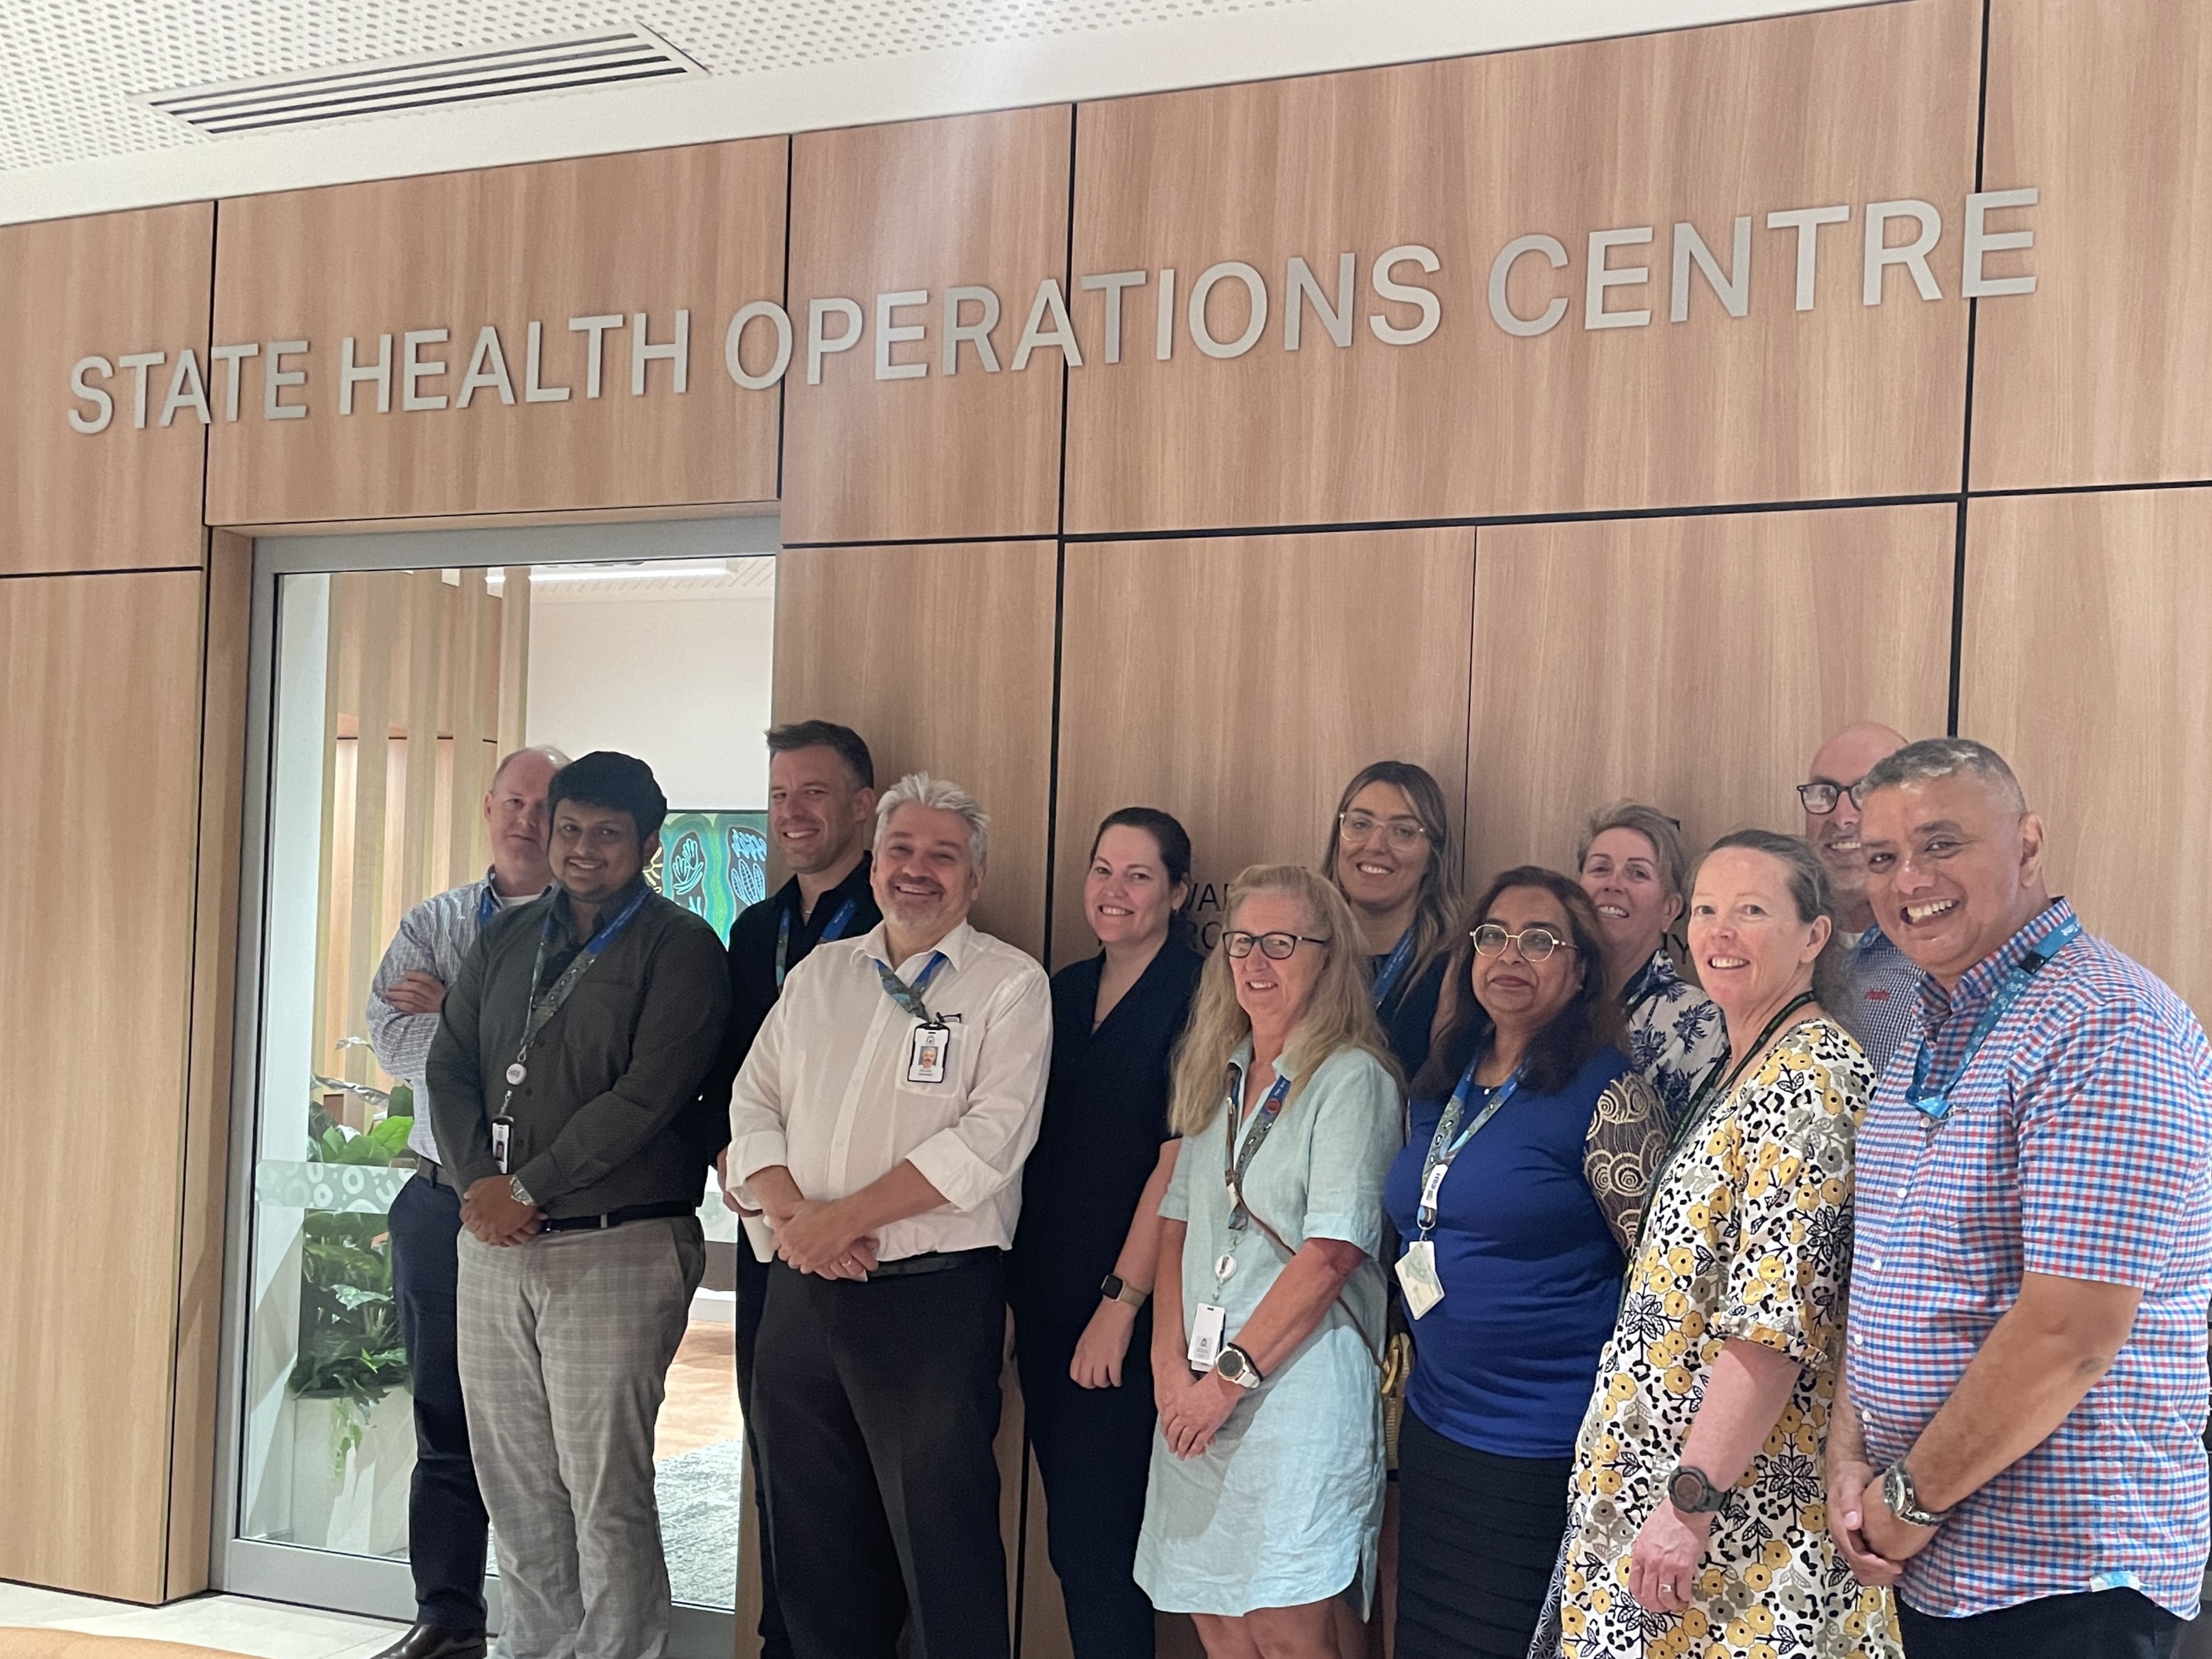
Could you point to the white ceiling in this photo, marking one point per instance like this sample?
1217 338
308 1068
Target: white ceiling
72 140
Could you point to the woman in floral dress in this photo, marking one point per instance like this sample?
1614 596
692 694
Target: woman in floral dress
1697 1524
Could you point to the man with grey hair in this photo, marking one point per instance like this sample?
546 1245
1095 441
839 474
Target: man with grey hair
2014 1442
880 1122
445 1521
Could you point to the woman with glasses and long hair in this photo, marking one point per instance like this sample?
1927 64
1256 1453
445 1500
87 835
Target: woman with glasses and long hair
1518 1196
1085 1257
1634 867
1389 853
1699 1512
1265 1493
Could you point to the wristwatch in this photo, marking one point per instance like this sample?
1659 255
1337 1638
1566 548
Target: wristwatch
520 1192
1118 1289
1690 1491
1235 1366
1903 1502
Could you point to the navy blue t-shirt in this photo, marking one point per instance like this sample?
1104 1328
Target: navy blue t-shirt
1531 1272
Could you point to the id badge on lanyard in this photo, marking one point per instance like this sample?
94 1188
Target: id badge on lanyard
928 1051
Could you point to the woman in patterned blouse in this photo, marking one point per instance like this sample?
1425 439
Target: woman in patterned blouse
1698 1522
1634 869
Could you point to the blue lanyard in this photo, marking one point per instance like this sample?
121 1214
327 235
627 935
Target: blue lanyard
1386 977
486 905
835 928
542 1008
1450 1139
1235 1163
908 997
1935 1104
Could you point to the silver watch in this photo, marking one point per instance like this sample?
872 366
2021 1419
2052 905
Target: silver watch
1903 1501
1235 1366
520 1192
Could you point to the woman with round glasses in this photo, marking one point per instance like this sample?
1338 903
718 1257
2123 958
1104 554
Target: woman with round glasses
1699 1512
1518 1197
1633 866
1390 855
1265 1493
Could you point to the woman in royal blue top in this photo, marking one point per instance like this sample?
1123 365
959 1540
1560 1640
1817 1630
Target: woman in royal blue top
1518 1197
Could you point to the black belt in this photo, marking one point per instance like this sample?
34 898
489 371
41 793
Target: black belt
591 1223
931 1262
431 1173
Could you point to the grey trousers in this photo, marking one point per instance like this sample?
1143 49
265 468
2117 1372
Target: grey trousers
565 1345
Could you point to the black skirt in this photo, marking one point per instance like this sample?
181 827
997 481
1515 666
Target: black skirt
1477 1537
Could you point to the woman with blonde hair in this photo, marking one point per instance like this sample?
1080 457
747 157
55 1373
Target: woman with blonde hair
1266 1490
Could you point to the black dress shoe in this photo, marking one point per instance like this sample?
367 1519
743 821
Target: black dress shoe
437 1642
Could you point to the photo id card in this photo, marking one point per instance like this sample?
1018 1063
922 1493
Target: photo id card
502 1128
1417 1273
1207 1325
926 1053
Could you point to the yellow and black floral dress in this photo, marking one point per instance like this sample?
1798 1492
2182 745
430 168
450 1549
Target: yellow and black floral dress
1748 1236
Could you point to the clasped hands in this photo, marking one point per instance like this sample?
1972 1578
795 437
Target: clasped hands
1193 1408
1874 1541
812 1235
489 1212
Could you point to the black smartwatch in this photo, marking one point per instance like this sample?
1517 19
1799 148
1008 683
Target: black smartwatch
1690 1491
1118 1289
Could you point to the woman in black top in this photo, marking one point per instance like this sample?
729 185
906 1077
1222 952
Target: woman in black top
1390 855
1090 1233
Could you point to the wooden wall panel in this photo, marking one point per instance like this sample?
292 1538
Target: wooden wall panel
1843 106
921 206
2097 377
701 227
2084 667
110 285
942 658
1238 682
100 679
1693 663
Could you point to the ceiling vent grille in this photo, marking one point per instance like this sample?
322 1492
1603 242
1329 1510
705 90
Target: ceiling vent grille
398 86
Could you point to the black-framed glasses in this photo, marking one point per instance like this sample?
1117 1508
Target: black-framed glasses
1404 834
1821 795
1534 943
1276 947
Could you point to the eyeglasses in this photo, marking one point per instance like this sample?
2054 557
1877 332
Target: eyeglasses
1535 944
1276 947
1821 795
1403 834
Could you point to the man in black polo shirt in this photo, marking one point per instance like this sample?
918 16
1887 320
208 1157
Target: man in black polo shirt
821 811
565 1088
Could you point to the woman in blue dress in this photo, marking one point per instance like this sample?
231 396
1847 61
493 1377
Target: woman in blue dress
1266 1490
1518 1195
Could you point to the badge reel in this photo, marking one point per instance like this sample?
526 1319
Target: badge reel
927 1051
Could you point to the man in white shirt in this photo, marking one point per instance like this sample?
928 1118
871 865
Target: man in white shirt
880 1122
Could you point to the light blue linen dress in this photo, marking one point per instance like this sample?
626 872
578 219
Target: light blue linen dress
1283 1508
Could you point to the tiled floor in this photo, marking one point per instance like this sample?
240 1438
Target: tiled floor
267 1630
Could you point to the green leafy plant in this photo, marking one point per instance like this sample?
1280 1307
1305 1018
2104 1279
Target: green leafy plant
350 1350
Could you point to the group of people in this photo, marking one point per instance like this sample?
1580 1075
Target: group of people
1803 1250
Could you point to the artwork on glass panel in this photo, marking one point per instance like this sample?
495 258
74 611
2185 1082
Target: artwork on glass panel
713 863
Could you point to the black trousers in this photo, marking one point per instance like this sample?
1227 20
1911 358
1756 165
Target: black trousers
445 1521
1094 1448
1477 1537
2118 1624
752 1297
874 1409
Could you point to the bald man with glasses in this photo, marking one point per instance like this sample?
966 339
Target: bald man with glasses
1883 983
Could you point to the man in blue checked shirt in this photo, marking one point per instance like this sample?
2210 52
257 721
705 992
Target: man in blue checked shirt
2019 1450
445 1521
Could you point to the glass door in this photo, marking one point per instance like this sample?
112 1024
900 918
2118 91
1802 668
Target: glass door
392 672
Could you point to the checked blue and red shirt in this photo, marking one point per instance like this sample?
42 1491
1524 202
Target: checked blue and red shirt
2079 1144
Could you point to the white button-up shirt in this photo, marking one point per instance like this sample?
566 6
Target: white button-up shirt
824 1090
